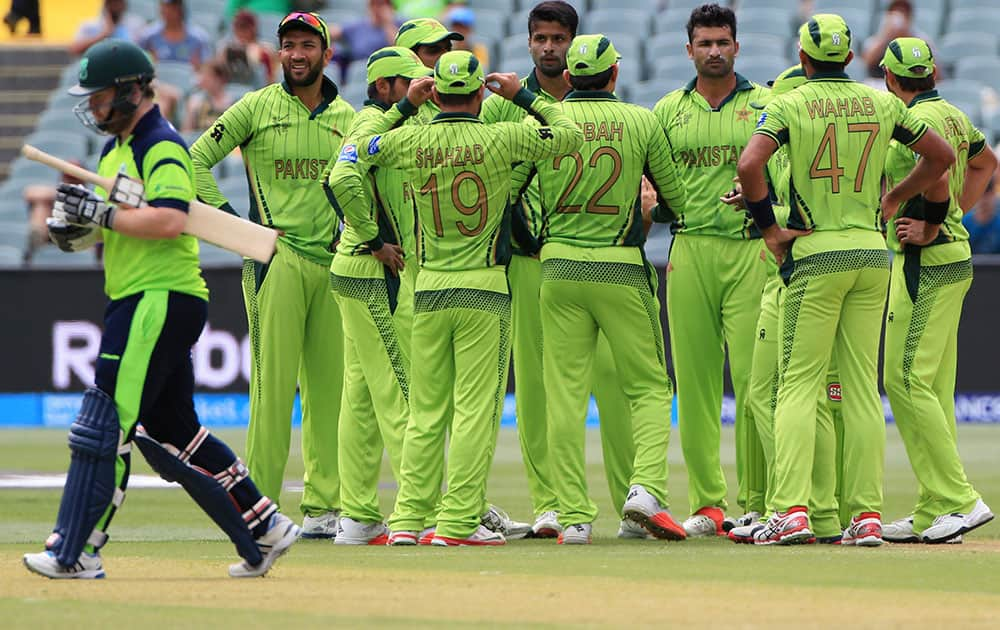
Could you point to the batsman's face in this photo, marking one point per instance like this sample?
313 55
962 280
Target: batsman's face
713 50
548 43
303 57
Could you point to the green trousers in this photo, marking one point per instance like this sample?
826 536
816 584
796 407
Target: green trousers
581 298
295 339
525 276
375 409
461 353
921 339
833 303
714 286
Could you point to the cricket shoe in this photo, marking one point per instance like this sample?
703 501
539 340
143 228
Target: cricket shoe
643 508
281 534
352 532
785 528
87 566
323 526
578 534
865 530
947 526
749 518
482 537
744 534
830 540
705 522
426 535
630 529
496 520
900 531
402 539
546 525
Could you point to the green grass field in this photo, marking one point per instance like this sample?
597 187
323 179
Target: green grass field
166 565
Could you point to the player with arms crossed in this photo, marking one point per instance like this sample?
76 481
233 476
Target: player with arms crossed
836 273
931 273
595 279
459 169
157 311
287 132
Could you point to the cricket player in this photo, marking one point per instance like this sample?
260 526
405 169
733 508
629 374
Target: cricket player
551 27
374 287
595 279
287 132
835 267
931 273
157 309
429 39
459 169
714 279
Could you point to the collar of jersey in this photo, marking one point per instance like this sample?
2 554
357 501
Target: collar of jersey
590 95
377 103
742 85
148 120
929 95
830 76
455 117
531 82
327 88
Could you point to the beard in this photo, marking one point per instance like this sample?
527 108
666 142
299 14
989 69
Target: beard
723 69
309 79
549 70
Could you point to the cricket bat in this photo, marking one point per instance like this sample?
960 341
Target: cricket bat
203 221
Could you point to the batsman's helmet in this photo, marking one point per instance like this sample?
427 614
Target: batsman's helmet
111 63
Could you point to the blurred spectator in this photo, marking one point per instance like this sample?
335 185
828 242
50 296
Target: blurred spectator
207 103
172 39
411 9
983 223
897 22
462 19
248 60
24 10
114 21
360 38
259 6
39 199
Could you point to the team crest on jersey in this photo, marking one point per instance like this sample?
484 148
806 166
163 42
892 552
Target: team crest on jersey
373 145
762 120
743 115
349 153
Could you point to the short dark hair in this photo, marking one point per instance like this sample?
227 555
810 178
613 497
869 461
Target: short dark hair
827 66
709 15
373 91
593 82
554 11
911 84
456 100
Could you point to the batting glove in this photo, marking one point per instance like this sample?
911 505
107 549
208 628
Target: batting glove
72 238
75 204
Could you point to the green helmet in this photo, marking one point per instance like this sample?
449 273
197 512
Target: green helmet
112 62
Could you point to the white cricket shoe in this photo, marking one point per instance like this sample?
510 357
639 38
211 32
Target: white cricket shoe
740 521
578 534
546 525
323 526
352 532
87 567
281 534
900 531
705 522
948 526
630 529
479 538
496 520
643 508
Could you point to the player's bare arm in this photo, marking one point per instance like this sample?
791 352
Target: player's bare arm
937 158
978 173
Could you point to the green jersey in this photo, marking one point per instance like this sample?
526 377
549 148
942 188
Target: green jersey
838 133
155 154
460 172
707 143
285 149
385 212
965 140
590 198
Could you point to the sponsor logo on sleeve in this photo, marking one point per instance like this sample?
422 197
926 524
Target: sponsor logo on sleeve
761 120
373 145
349 154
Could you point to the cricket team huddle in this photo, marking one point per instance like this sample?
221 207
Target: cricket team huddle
436 232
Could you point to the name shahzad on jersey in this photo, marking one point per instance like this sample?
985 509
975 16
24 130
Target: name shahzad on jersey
431 157
840 107
711 155
304 168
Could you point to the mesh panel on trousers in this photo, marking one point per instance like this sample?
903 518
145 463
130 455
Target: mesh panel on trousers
250 291
476 299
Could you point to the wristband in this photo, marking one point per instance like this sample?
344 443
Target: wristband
762 212
936 211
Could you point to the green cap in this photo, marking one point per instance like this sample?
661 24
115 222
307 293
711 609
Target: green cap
413 33
458 72
395 61
788 80
307 21
590 54
825 37
909 57
111 62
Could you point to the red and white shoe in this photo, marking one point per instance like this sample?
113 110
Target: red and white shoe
479 538
785 528
578 534
427 535
744 534
352 532
643 508
708 521
402 539
865 530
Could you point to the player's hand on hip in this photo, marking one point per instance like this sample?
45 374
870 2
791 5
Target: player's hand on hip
889 205
915 232
75 204
506 84
391 256
779 240
419 91
72 238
